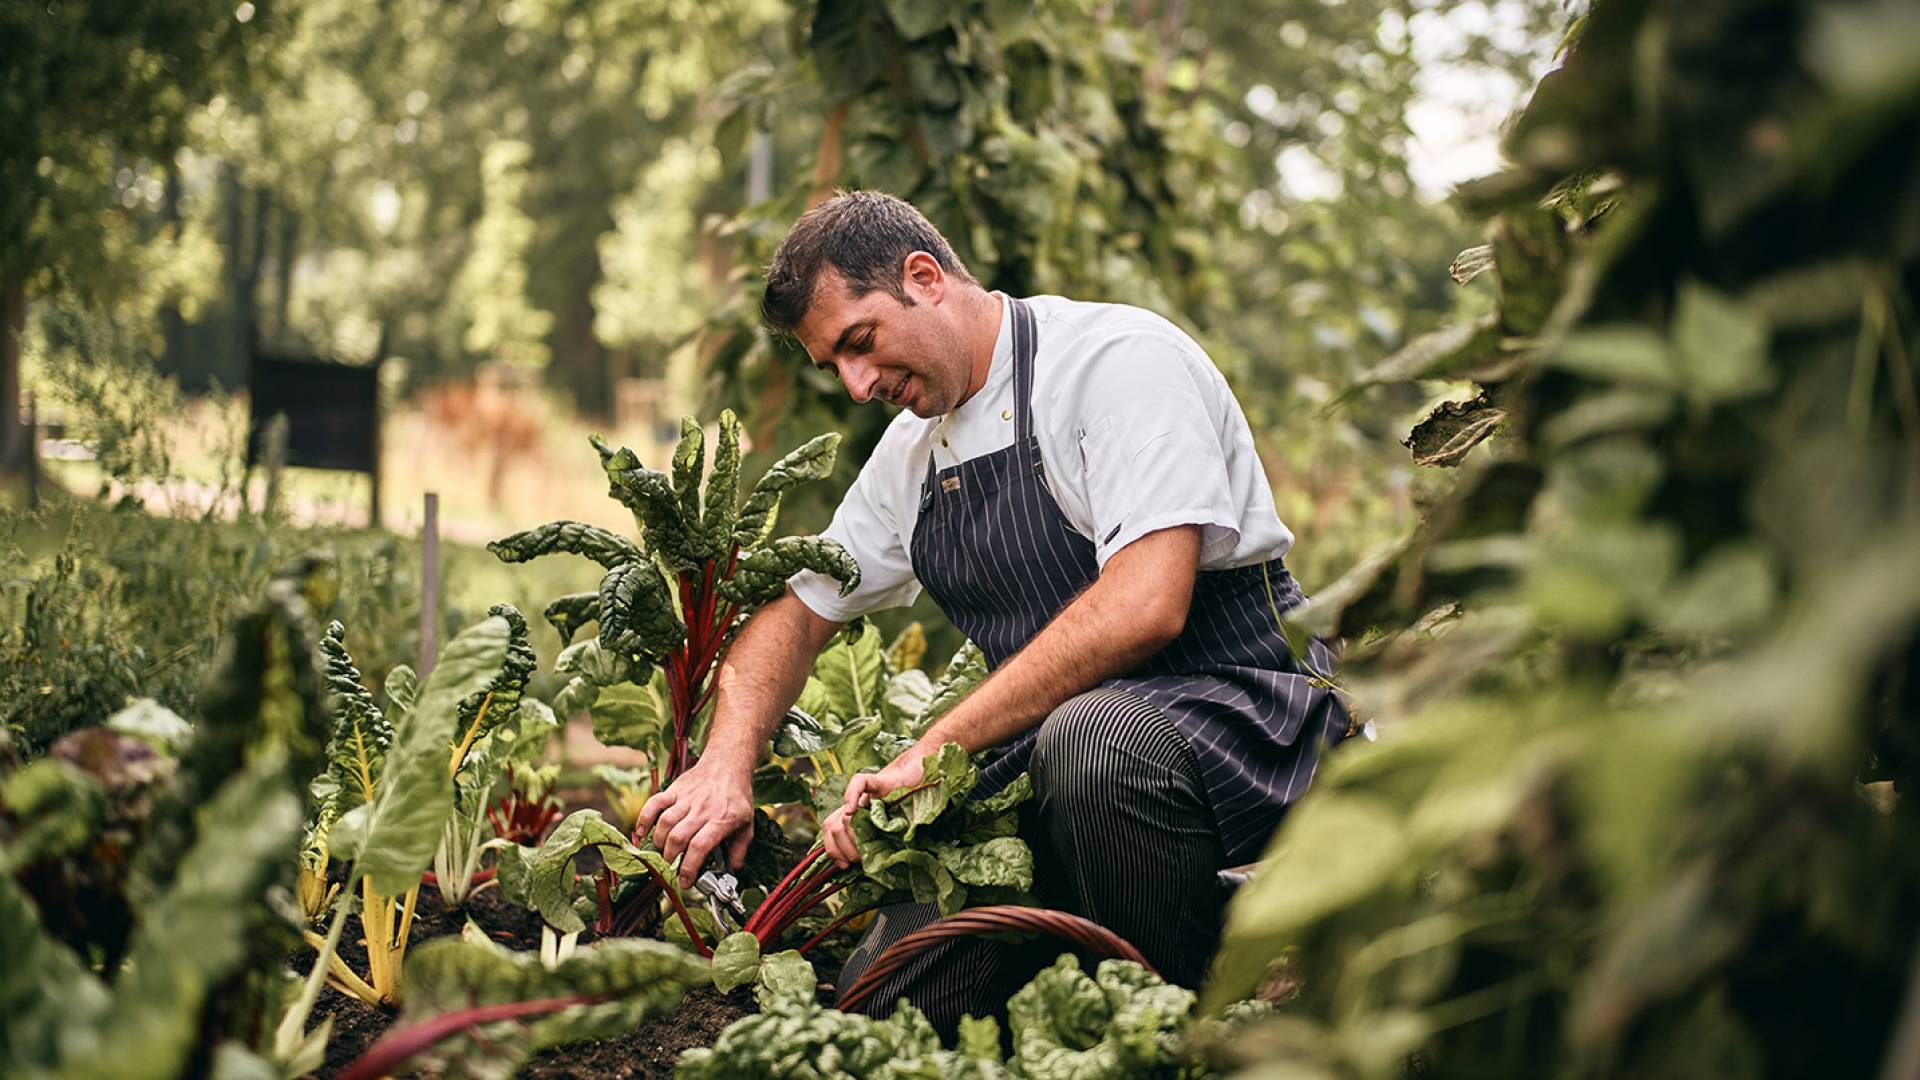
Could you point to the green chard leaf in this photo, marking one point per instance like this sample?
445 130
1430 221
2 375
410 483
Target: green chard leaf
966 670
812 461
650 495
394 836
852 672
736 961
549 883
762 575
1122 1022
502 695
600 666
638 614
795 1037
609 549
571 612
723 488
931 844
603 989
361 732
689 461
626 714
786 977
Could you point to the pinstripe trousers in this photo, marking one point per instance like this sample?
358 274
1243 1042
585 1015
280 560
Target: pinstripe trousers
1122 833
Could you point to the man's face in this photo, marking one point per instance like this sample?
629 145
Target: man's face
911 356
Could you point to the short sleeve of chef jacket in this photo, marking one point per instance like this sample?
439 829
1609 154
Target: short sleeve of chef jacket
1155 424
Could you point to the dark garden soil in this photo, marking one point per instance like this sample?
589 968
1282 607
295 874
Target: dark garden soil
647 1051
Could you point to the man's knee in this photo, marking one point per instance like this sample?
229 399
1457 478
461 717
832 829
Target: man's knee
1093 740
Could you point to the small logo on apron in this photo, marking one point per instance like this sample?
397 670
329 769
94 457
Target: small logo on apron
950 484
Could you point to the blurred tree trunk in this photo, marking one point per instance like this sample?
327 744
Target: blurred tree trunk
13 320
173 326
286 246
245 241
579 361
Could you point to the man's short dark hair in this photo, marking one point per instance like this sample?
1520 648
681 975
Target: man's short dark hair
865 236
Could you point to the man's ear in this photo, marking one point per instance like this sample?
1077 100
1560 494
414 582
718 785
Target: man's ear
923 278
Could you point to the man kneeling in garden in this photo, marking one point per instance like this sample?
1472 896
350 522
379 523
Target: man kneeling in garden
1077 487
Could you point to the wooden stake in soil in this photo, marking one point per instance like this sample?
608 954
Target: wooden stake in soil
429 582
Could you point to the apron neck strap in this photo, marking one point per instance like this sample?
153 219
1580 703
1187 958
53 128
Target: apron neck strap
1024 340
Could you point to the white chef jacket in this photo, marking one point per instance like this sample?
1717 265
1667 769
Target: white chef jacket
1138 432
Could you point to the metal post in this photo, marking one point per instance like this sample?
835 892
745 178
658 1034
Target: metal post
760 168
429 583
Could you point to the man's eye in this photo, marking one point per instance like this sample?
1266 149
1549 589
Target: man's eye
864 344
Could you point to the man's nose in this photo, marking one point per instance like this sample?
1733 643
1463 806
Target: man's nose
861 379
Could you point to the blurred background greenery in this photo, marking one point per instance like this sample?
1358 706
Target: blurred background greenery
544 217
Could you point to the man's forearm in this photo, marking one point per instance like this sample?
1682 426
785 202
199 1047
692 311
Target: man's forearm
764 672
1128 614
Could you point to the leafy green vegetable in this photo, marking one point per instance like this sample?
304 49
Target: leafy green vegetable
736 961
1123 1021
930 844
392 838
609 549
473 1009
361 732
792 1037
672 603
812 461
785 977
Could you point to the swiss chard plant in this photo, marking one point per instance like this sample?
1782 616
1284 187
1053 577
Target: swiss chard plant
670 602
398 781
928 843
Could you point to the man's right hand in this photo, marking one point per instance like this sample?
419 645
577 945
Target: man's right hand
707 806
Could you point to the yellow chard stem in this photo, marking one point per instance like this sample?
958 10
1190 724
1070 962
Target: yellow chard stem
339 974
473 732
376 927
406 928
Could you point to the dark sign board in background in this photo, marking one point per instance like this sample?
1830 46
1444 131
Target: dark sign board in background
332 410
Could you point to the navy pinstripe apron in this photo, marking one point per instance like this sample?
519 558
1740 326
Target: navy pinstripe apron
1001 560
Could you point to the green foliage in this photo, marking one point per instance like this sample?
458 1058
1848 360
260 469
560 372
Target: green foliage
361 732
545 879
97 83
673 602
220 836
1122 1021
129 605
932 844
1631 676
605 988
392 838
800 1038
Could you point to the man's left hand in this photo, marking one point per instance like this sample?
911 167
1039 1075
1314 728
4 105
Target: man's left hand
836 832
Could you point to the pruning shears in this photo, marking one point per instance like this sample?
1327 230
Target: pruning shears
722 891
